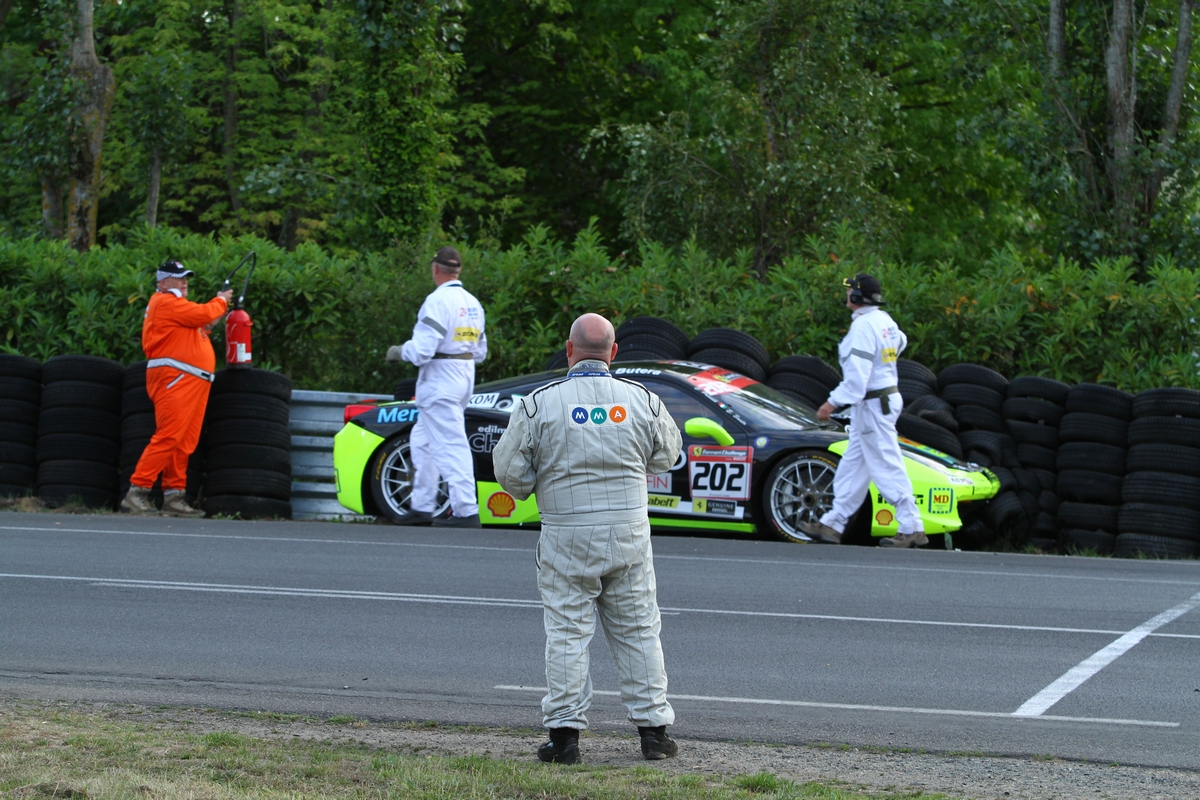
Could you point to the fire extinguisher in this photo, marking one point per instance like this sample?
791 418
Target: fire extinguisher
237 321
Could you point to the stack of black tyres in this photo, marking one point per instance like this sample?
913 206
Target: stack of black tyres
79 431
808 379
1093 438
731 349
405 389
915 380
930 420
137 427
649 339
558 360
247 445
20 397
1032 413
1160 510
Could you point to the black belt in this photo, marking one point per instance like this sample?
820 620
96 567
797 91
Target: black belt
456 356
882 394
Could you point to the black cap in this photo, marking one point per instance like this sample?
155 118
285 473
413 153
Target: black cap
869 287
449 258
173 269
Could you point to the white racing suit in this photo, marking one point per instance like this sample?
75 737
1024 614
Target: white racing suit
585 445
447 342
868 357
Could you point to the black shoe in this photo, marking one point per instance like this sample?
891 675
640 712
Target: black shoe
458 522
656 745
416 518
563 747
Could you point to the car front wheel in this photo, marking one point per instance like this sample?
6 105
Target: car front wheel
799 489
391 478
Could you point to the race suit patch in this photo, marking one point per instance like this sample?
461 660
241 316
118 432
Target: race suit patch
604 414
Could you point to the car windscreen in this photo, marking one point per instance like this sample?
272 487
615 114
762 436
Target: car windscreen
765 407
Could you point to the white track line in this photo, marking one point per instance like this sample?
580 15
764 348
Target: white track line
505 602
1074 677
954 712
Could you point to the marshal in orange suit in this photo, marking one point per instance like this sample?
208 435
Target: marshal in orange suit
179 374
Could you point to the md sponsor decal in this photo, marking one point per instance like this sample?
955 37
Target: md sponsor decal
941 501
396 414
599 415
501 504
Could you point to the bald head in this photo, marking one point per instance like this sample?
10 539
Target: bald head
592 336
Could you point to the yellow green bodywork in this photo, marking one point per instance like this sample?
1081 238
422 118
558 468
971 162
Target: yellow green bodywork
353 447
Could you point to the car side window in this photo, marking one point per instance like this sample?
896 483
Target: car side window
683 404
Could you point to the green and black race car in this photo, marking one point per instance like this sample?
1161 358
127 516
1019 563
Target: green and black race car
753 461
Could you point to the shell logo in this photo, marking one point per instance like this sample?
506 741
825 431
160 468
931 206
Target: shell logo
501 504
884 517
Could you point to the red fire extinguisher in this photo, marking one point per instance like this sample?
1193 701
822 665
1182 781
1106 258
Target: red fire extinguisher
237 321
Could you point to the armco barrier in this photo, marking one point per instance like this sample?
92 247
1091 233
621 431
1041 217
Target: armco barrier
313 420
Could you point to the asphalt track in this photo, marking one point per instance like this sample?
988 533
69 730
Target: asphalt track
1095 659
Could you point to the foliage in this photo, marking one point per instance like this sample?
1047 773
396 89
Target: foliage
327 320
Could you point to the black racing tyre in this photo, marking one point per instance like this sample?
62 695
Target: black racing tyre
1179 523
1088 516
731 359
972 374
135 376
1135 545
983 441
1167 402
626 356
84 368
1047 526
70 446
1027 480
240 431
20 474
813 367
253 381
247 481
978 418
78 472
943 419
1165 430
11 490
1096 398
961 394
1033 433
1048 502
1031 409
1078 541
244 507
1179 459
928 434
911 390
14 453
136 401
927 403
405 389
1093 456
979 459
1085 486
232 456
18 433
907 369
799 489
1044 388
810 388
1001 509
1029 503
55 496
28 369
389 476
248 407
22 389
799 399
1163 488
730 339
131 453
87 421
1082 426
1048 479
655 326
556 361
651 343
137 427
81 394
1008 481
19 411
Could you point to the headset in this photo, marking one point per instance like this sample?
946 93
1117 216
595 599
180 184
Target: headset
856 295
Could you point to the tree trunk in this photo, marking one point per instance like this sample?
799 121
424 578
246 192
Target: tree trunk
155 181
287 231
52 207
97 90
1179 73
5 7
1122 96
1056 47
231 115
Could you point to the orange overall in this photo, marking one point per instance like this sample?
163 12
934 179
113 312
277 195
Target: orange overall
174 329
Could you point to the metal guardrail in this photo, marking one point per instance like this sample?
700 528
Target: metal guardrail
313 420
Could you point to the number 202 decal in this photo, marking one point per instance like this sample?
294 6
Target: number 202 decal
721 473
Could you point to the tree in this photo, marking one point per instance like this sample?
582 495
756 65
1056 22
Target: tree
96 88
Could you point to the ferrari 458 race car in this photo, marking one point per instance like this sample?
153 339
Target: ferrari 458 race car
753 460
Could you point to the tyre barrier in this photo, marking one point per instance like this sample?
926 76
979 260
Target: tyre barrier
20 399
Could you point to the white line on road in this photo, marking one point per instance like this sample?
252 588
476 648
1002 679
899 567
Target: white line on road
505 602
856 707
1074 677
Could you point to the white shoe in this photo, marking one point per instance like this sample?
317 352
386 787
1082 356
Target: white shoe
175 504
137 501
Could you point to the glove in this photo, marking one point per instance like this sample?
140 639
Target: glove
393 354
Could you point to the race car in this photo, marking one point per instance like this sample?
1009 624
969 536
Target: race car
753 460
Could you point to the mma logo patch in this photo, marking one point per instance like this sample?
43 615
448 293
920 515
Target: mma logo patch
606 414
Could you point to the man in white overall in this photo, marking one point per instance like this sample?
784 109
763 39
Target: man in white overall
447 342
585 445
869 387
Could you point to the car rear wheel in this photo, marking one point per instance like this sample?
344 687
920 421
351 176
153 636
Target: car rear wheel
390 473
799 489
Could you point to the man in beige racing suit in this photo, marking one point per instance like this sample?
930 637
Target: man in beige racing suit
584 445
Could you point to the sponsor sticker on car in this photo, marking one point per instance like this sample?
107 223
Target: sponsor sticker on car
720 473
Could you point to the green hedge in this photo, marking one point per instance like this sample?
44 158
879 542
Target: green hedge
327 321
